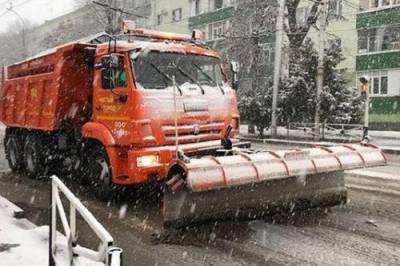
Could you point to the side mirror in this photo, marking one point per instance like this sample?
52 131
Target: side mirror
108 78
110 61
111 66
235 70
89 56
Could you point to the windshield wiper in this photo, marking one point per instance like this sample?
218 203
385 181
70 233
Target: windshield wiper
166 76
191 78
208 77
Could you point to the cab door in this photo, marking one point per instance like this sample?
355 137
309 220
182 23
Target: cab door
111 100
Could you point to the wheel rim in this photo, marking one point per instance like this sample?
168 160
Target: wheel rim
12 153
30 160
103 177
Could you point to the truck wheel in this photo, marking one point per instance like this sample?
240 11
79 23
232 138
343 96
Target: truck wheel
13 153
34 156
99 172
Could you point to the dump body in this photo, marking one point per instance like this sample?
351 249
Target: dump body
45 92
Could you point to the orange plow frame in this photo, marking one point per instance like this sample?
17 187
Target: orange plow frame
254 183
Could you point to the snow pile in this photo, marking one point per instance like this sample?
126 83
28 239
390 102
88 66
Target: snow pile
23 243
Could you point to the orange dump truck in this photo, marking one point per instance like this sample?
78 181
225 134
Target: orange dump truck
158 107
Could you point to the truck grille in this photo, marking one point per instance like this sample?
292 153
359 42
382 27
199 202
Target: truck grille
193 132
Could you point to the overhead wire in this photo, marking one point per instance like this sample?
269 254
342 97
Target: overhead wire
13 6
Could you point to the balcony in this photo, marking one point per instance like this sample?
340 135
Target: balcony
378 60
378 17
211 17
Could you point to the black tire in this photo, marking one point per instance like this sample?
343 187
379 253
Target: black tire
34 156
98 172
14 153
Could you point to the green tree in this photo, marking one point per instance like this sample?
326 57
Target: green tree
255 106
339 104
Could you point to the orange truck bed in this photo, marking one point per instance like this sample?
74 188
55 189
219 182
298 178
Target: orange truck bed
43 92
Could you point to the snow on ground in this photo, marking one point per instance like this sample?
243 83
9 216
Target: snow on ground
23 243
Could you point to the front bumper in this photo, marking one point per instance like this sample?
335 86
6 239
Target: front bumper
132 174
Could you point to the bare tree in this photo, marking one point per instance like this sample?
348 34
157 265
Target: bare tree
251 31
111 13
296 32
14 45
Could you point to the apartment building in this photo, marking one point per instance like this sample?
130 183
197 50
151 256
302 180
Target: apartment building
378 57
170 15
340 30
212 17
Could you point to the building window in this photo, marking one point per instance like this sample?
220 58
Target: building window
177 14
391 38
218 4
159 19
384 85
367 41
375 83
302 16
216 31
196 7
379 39
383 3
335 9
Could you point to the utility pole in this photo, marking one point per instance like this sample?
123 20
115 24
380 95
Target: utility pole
277 65
24 50
365 93
320 68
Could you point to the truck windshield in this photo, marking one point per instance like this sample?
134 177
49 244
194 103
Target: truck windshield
154 70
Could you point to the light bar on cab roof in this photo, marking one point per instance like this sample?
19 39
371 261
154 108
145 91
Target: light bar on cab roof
129 27
152 34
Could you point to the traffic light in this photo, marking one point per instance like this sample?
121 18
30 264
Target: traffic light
364 86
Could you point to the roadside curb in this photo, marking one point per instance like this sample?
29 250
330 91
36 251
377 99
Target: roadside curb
18 213
372 181
308 143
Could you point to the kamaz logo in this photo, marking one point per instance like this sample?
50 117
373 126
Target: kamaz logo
196 129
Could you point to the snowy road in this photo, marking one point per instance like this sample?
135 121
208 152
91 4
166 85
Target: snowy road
363 232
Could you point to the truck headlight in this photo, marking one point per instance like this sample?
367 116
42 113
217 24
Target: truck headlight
147 160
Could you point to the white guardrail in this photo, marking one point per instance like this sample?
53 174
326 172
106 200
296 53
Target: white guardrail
106 253
326 130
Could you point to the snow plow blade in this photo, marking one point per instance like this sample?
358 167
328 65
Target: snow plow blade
250 185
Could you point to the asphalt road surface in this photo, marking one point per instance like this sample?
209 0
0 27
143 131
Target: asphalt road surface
364 231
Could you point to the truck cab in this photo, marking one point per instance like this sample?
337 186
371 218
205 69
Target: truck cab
155 95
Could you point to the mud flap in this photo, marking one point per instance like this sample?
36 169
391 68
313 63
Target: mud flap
248 201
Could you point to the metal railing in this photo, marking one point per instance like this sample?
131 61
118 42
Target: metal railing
105 253
326 130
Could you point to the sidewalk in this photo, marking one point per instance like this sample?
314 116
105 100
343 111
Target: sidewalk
23 243
388 141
